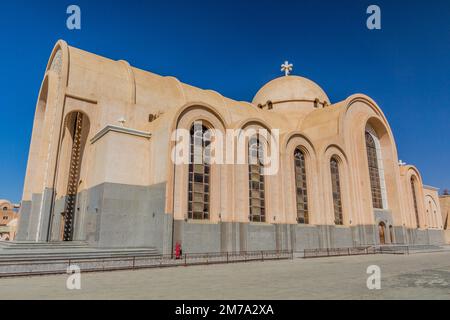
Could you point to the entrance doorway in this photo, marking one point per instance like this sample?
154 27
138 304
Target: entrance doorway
382 232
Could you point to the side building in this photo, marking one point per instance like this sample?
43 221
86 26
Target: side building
445 209
8 220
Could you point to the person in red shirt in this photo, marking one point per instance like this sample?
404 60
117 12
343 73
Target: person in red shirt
178 251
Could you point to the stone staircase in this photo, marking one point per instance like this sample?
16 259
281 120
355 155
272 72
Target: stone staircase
29 245
412 248
43 251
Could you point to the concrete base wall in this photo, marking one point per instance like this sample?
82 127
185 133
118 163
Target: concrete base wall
198 237
447 236
123 216
24 221
44 215
400 235
107 216
305 237
436 237
259 237
29 219
34 218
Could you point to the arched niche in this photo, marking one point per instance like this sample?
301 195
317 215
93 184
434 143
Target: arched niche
336 153
271 172
388 165
414 197
298 141
363 113
431 210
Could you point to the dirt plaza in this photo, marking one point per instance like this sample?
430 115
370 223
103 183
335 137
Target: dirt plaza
415 276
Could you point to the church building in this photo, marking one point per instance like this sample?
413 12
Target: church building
101 166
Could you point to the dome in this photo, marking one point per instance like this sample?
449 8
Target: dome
291 92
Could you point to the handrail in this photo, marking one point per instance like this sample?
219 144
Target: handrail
134 262
352 251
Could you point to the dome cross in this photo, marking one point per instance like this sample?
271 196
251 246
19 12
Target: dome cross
287 67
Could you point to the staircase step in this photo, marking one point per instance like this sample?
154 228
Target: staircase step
39 251
41 245
42 255
424 247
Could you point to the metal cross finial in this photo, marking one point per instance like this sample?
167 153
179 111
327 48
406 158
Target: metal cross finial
122 122
287 67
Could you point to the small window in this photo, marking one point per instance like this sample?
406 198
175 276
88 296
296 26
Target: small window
416 208
336 189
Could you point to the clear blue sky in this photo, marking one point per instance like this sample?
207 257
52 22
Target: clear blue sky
235 47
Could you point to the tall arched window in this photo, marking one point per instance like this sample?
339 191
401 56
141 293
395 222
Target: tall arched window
256 181
416 208
301 187
78 125
336 188
374 172
199 173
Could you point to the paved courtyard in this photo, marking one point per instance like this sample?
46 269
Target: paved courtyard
417 276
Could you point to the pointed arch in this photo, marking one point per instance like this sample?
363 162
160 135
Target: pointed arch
337 190
178 189
296 142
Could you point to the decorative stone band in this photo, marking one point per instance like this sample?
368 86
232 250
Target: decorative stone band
317 101
74 95
6 229
431 188
111 128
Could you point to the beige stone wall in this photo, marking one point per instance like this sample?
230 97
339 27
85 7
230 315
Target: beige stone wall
107 91
445 211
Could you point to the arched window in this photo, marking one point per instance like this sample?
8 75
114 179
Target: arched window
374 172
336 188
430 214
301 187
416 208
199 173
256 181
